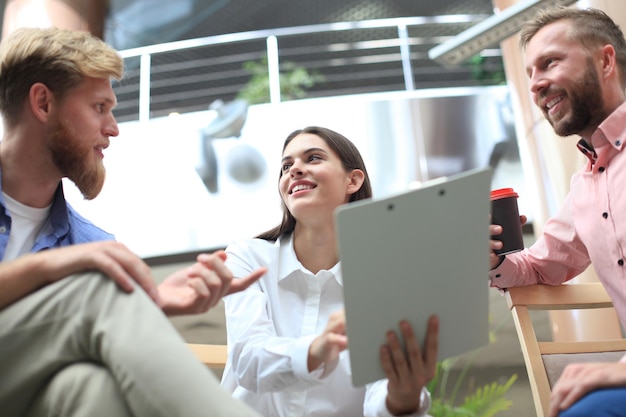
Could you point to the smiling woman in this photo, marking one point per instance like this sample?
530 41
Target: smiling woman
286 333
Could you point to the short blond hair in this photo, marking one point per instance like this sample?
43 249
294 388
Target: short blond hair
591 27
58 58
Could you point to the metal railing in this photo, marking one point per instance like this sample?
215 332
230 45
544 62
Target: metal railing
352 57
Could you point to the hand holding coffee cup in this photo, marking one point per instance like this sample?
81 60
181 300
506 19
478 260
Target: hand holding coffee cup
504 212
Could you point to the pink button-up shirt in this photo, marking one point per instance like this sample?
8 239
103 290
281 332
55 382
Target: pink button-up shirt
589 228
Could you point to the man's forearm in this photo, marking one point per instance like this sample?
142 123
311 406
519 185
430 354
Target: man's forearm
20 277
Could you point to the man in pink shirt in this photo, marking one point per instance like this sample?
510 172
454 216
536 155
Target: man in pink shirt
576 62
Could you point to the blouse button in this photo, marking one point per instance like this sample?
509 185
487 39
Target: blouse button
601 169
620 262
605 214
3 229
617 143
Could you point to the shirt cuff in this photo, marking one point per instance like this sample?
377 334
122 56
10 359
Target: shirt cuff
425 403
300 358
500 276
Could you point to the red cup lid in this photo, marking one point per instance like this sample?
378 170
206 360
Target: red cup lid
503 193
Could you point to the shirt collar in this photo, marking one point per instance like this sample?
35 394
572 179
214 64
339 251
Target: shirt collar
612 129
289 264
587 150
610 134
59 213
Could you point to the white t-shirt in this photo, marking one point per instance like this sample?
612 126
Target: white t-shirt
270 327
26 222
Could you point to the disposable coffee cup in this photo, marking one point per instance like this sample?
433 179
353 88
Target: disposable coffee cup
504 211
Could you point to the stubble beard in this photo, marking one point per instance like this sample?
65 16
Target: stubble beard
586 105
73 158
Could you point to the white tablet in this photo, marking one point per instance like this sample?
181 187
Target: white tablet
414 254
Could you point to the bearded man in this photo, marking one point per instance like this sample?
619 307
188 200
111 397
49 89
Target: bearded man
82 329
576 65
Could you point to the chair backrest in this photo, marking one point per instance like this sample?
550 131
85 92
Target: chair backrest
546 360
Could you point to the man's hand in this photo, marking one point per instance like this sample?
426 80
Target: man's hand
200 287
581 378
495 230
111 258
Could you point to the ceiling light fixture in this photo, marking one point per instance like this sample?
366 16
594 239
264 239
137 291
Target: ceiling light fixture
489 32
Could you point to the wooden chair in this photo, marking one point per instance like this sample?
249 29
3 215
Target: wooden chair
213 356
545 361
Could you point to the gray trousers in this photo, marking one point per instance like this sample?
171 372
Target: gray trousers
82 347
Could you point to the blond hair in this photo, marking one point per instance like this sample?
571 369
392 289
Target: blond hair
58 58
590 27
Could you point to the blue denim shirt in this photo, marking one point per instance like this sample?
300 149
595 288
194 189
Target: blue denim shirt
64 226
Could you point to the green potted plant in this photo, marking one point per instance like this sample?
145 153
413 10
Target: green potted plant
294 81
484 401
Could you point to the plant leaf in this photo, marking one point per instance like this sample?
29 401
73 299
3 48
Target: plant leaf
489 400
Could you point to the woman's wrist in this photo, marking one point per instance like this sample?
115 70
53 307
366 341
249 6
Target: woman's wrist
420 408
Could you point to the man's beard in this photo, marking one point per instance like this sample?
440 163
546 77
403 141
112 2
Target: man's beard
73 158
586 105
